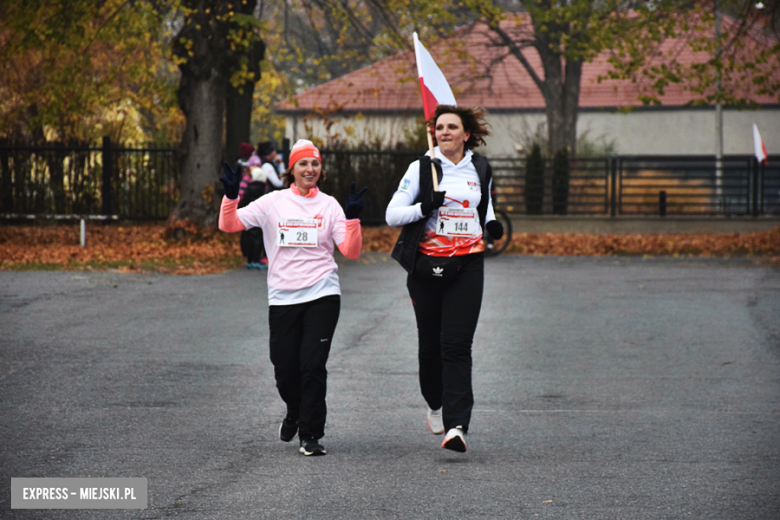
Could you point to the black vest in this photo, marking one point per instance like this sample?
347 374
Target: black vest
405 250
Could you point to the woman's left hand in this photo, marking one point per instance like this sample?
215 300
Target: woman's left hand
495 229
354 202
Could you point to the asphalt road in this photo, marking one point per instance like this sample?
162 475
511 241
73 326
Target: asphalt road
605 389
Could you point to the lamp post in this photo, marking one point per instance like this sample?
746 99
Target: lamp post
718 110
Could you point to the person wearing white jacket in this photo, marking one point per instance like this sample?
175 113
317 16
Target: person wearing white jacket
441 248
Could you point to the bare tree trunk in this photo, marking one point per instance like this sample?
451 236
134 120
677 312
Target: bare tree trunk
561 91
571 98
208 60
238 101
238 119
238 104
560 86
562 118
202 100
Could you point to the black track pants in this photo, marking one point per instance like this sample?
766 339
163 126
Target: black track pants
447 315
301 335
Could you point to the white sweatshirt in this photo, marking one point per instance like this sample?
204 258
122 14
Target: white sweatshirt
460 181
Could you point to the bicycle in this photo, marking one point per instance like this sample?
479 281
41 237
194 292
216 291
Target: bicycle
496 247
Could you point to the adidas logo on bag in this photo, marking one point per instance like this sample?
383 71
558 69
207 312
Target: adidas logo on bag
437 271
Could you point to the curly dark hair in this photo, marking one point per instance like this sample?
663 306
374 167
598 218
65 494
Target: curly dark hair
473 120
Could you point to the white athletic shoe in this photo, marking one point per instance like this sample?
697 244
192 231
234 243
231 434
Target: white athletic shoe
435 423
454 440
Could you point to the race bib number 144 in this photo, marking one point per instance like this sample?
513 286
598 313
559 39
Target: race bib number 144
297 233
455 222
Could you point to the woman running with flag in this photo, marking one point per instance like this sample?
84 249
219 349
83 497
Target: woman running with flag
441 248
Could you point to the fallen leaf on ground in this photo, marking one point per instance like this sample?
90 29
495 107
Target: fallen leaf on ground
146 248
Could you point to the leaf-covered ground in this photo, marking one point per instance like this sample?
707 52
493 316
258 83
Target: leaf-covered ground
145 248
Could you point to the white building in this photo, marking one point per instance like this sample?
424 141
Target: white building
383 101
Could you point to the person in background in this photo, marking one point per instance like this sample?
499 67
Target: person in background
271 162
300 225
245 151
445 261
252 239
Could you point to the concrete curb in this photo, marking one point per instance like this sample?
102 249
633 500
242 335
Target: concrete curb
642 225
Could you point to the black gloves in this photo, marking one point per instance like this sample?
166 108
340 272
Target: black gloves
495 229
354 202
435 201
437 198
231 181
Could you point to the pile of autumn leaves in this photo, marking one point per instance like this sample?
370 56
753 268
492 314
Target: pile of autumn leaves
151 248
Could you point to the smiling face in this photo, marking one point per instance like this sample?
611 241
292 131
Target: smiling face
306 172
450 136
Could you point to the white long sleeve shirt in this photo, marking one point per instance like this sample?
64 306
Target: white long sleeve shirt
461 182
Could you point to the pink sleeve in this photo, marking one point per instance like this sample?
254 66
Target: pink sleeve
353 240
228 216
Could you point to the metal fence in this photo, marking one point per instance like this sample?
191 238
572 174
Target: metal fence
696 186
381 171
587 191
129 183
599 186
143 183
646 185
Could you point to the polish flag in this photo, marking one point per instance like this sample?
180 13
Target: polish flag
758 145
433 84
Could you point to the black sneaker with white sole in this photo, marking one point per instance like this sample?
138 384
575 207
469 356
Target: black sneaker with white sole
311 447
288 429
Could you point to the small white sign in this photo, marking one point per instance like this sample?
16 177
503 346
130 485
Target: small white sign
297 233
457 222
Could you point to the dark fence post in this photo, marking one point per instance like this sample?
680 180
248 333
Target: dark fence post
607 182
560 182
613 183
662 203
755 183
762 173
7 182
56 160
534 181
107 175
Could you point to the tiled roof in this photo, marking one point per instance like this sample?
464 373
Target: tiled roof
391 84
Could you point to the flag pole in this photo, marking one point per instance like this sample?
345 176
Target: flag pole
433 156
442 94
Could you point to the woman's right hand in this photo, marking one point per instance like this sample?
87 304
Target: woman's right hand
435 201
230 181
437 197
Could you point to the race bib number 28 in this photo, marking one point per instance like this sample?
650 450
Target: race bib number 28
297 233
456 222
